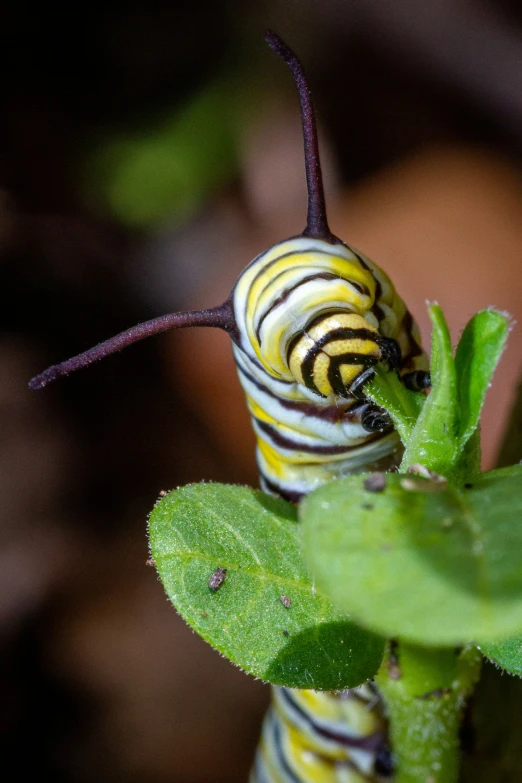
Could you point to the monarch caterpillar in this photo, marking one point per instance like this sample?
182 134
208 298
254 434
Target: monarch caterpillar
309 321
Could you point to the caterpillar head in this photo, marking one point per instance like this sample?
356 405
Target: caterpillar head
304 312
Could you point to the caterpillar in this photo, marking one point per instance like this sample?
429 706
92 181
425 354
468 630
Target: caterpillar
309 319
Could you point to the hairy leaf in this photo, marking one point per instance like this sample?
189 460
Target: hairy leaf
403 405
434 440
265 614
478 354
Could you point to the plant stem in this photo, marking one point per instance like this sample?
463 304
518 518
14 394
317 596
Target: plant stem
425 690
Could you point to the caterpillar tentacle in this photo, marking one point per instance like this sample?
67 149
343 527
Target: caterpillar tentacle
221 317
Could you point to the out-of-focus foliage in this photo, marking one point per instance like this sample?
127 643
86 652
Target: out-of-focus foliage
420 561
163 172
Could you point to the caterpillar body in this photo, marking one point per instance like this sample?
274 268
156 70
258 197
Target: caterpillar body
309 319
315 737
314 318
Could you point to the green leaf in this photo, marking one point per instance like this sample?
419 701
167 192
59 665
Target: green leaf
433 442
419 561
307 644
163 172
404 406
466 467
506 654
478 353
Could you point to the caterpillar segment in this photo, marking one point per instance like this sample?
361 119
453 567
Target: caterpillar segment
323 738
309 319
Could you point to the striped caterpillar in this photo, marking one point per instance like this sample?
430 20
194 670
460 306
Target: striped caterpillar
309 319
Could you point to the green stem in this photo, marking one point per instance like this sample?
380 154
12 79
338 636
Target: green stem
425 690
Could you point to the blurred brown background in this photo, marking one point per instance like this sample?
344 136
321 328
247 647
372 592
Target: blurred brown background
149 151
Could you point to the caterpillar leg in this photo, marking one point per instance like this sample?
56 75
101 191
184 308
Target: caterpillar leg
417 380
376 419
357 388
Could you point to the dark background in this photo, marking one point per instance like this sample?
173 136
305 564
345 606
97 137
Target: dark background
149 151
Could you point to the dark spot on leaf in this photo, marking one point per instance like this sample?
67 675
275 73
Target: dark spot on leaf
217 578
375 482
286 633
467 485
368 506
204 614
438 693
285 601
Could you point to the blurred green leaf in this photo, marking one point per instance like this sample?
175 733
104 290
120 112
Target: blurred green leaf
307 644
418 561
165 171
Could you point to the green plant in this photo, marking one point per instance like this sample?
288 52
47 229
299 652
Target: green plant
400 578
427 558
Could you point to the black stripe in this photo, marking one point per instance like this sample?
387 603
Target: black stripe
278 746
288 443
348 333
286 293
376 309
289 495
276 260
341 333
368 742
308 364
331 413
260 367
414 349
